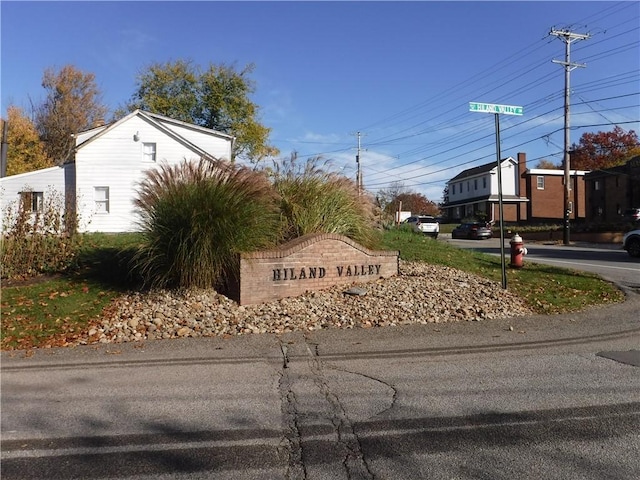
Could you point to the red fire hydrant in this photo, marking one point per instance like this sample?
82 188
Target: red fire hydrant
518 251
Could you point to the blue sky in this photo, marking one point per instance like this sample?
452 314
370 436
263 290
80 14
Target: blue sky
401 73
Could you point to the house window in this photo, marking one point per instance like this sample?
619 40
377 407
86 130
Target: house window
596 184
475 184
32 201
484 182
540 182
101 197
149 152
468 188
454 189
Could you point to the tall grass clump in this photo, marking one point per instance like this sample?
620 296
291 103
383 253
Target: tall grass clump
40 241
197 216
315 200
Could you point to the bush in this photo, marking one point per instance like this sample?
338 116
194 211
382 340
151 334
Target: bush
40 242
197 216
315 200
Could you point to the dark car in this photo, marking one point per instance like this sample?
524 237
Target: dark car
632 214
472 231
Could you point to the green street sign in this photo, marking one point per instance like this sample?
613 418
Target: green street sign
493 108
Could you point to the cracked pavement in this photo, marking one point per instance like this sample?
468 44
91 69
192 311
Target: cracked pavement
530 397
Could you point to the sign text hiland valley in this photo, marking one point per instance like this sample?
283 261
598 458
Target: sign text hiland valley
303 273
309 263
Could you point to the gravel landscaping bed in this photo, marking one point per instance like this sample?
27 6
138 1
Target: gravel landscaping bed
421 293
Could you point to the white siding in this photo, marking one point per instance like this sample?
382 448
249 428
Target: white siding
115 160
465 188
50 181
509 178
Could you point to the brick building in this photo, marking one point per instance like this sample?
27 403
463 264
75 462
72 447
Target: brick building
611 191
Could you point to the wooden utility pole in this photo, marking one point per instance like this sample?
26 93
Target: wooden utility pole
567 37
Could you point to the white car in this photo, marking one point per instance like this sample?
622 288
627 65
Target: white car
631 243
425 224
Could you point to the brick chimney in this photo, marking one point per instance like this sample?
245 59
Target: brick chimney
522 167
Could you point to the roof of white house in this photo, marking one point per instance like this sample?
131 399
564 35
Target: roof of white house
161 122
479 170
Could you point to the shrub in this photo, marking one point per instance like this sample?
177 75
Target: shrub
197 216
41 241
315 200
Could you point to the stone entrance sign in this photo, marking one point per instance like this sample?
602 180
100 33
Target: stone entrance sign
308 263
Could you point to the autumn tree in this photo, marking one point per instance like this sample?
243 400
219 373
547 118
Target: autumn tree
600 150
390 199
545 164
25 152
72 104
217 98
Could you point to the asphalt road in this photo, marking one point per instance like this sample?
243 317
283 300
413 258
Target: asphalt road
529 398
609 261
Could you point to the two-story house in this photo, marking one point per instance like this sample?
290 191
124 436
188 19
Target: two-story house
535 195
474 192
110 161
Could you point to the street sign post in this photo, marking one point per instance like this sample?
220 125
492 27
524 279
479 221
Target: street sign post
497 110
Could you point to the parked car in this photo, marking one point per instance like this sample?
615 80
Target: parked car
425 224
632 214
472 231
631 243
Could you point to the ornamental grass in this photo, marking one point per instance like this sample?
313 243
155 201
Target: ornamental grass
315 200
197 216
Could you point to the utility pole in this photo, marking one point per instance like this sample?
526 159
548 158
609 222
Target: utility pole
358 171
568 38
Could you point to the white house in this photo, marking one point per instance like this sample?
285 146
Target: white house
475 191
110 161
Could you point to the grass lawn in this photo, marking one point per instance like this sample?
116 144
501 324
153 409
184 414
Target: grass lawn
50 311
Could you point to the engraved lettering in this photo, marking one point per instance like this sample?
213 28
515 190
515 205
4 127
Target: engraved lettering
312 272
293 275
302 274
340 269
377 269
322 272
349 271
276 274
371 269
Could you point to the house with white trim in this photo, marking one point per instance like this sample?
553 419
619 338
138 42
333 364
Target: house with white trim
109 163
528 195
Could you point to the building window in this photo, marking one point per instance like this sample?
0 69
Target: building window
475 183
484 182
101 197
468 188
596 184
540 182
149 152
453 192
32 201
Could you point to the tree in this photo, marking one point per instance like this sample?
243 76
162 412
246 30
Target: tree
216 98
25 152
73 104
413 202
388 195
601 150
547 165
